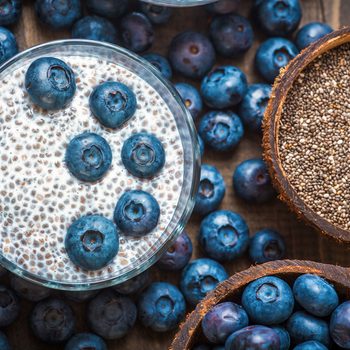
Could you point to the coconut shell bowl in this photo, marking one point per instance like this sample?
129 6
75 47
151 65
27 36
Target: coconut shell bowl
272 149
190 333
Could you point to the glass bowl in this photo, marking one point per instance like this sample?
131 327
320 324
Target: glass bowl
145 251
180 3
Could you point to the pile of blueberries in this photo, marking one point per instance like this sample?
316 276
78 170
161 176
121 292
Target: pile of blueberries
227 106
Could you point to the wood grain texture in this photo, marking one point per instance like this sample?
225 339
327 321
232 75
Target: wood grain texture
302 241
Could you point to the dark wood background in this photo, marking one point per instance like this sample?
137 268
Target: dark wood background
302 241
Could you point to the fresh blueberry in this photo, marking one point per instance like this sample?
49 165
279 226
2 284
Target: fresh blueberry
143 155
315 295
160 62
222 320
80 296
201 145
50 83
252 182
161 307
232 35
202 347
200 277
211 190
28 290
272 55
112 103
110 315
310 345
178 255
92 242
136 213
52 320
266 245
107 8
340 325
224 87
4 344
283 336
252 108
88 157
133 285
223 7
191 54
302 327
95 28
220 130
9 306
191 98
137 32
86 341
224 235
253 338
10 12
3 271
311 32
278 17
268 300
58 14
155 13
8 45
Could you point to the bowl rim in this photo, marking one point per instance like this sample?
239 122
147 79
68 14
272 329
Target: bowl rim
194 169
282 84
180 3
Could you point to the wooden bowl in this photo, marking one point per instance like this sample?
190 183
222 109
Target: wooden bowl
271 128
190 332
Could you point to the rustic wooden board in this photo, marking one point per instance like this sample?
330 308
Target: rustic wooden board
302 242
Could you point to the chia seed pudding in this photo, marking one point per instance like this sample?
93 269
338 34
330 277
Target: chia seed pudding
39 198
314 136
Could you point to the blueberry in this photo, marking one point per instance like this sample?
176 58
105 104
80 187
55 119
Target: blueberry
136 213
88 341
310 345
302 327
211 190
133 285
3 271
268 300
58 14
161 307
340 325
95 28
222 320
311 32
220 130
283 337
50 83
222 7
272 55
232 35
137 32
278 17
224 235
191 98
4 344
88 157
10 12
202 347
252 182
112 103
178 255
315 295
80 296
28 290
253 338
110 315
252 108
191 54
201 145
9 306
224 87
52 320
160 62
143 155
8 45
107 8
155 13
266 245
200 277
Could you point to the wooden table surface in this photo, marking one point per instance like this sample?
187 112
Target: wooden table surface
302 241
